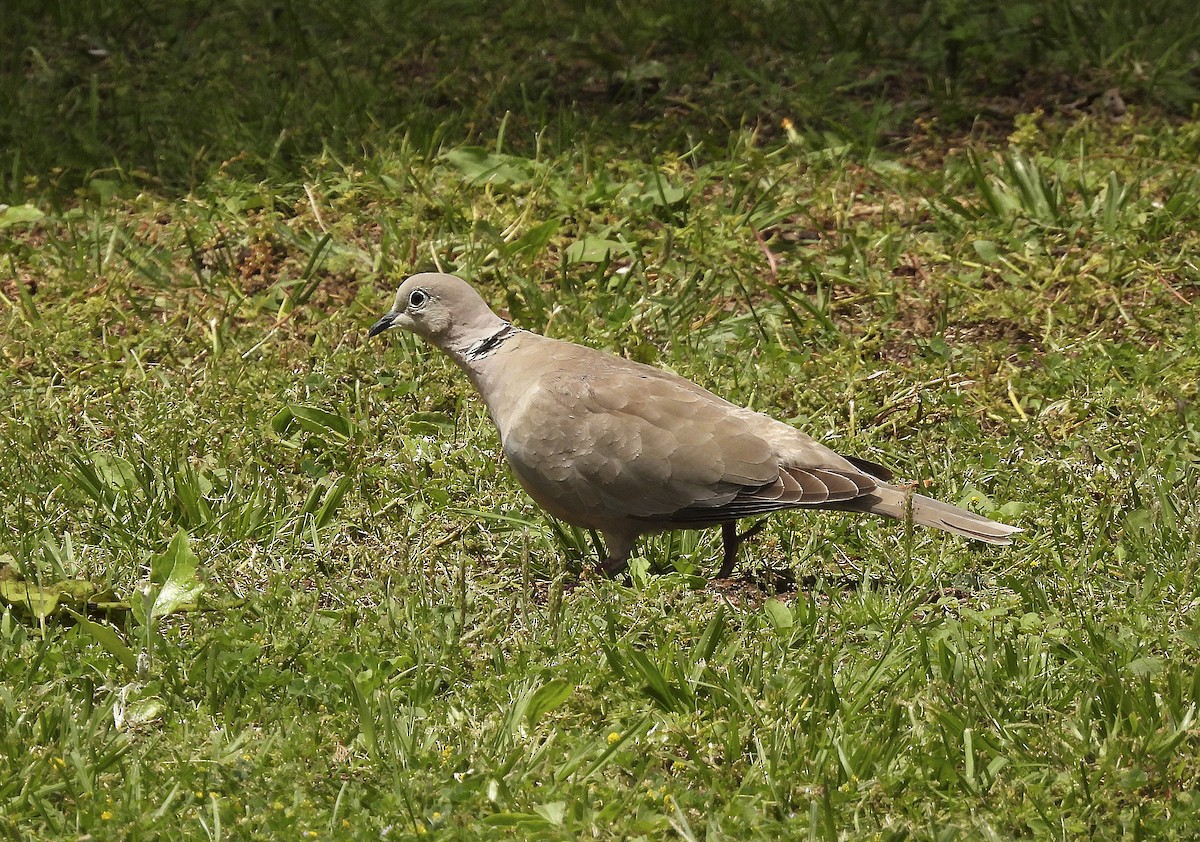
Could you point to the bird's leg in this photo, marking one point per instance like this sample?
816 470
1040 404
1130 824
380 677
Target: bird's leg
731 539
619 547
613 567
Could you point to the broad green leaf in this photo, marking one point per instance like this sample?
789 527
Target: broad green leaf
109 639
314 420
1147 666
639 572
174 575
311 419
104 189
282 420
547 697
141 603
971 494
535 239
1012 509
29 597
554 812
143 711
422 423
660 194
528 821
482 167
779 614
593 250
117 472
43 600
19 215
75 590
986 250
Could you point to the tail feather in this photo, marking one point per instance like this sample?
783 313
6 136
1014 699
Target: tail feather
889 501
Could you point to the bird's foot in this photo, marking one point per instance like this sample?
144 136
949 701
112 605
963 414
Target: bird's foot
611 568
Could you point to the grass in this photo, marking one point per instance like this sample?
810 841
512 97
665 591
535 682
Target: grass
261 577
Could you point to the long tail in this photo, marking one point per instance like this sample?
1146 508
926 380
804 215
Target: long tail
889 501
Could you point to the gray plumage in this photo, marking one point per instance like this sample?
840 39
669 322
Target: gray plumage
623 448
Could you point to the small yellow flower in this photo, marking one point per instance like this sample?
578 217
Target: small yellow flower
613 737
278 805
345 822
106 815
789 129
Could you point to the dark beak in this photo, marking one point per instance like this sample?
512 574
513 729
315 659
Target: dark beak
381 325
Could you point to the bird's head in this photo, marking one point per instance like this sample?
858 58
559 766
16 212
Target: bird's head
442 309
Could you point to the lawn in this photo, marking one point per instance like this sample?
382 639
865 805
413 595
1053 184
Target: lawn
263 578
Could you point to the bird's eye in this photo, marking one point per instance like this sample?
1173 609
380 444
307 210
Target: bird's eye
418 298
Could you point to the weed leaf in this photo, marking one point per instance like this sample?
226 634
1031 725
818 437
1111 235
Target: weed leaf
479 166
19 215
174 576
547 697
32 599
593 250
779 614
108 639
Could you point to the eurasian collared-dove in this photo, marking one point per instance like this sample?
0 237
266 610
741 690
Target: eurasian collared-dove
626 449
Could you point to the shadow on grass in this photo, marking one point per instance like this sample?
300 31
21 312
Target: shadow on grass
159 95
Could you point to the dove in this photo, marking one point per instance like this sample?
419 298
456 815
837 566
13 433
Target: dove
627 449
